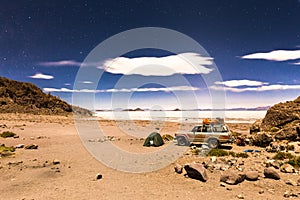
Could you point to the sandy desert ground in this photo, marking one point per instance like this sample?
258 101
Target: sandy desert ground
31 174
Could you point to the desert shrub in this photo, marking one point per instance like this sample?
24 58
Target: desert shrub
241 155
195 151
238 155
218 152
6 151
7 134
295 161
167 137
283 155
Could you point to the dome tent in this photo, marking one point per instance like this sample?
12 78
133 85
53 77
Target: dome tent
154 139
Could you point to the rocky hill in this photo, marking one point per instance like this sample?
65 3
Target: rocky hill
282 122
21 97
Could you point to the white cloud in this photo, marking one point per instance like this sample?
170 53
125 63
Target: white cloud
237 83
61 63
277 55
41 76
69 63
258 89
86 82
67 84
297 63
159 66
169 89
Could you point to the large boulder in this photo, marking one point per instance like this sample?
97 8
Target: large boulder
281 114
251 175
287 168
282 122
232 177
196 171
255 127
271 173
262 139
287 133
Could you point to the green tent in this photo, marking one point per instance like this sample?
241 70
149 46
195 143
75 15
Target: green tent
154 139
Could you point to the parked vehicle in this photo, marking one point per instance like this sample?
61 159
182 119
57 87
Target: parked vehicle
213 134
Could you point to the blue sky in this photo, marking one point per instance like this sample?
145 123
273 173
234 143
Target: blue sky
254 44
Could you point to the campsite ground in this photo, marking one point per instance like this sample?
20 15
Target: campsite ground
31 174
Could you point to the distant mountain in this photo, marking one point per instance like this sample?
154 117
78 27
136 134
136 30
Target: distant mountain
21 97
137 109
261 108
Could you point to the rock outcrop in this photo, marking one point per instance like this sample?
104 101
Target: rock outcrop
282 122
21 97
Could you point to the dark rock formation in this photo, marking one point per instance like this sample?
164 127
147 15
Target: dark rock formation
282 122
20 97
282 114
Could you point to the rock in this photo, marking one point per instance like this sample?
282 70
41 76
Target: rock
291 182
31 146
261 192
14 163
98 176
271 172
56 162
196 171
272 163
19 146
287 168
255 127
262 139
281 114
288 133
286 194
222 184
240 196
298 182
294 146
56 169
213 159
251 175
232 177
178 168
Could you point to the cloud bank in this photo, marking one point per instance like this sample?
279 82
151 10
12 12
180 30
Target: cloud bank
159 66
69 63
41 76
237 83
60 63
277 55
169 89
256 86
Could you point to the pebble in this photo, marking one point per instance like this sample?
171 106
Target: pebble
56 162
19 146
99 176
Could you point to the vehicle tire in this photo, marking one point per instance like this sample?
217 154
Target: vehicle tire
182 141
213 143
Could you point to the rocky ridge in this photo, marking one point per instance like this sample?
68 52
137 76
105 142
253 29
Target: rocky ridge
21 97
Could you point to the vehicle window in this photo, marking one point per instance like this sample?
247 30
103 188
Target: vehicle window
224 129
196 128
209 129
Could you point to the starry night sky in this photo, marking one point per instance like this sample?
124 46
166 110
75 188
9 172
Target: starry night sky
36 32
